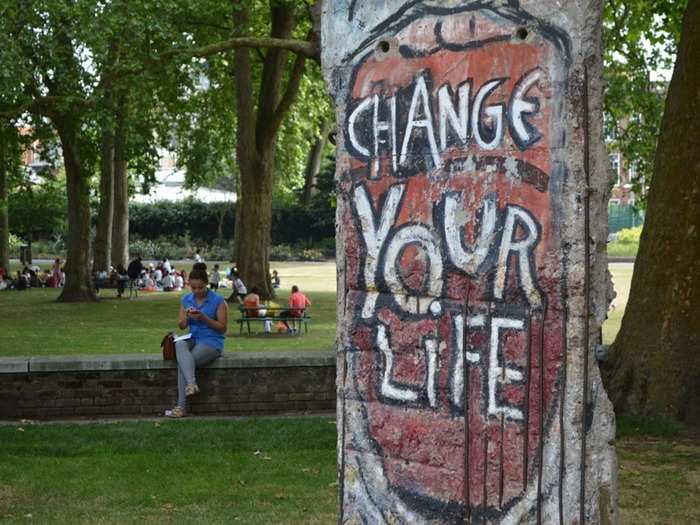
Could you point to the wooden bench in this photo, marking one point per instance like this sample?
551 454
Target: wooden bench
305 318
129 284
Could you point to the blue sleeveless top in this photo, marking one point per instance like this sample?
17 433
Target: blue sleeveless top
201 332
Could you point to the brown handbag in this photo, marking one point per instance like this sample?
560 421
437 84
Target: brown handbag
168 344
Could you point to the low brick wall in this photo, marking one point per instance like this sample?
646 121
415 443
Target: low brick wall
107 386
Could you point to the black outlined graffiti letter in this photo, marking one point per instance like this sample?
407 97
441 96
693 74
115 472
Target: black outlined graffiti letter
420 94
524 134
375 229
523 249
495 113
459 120
468 259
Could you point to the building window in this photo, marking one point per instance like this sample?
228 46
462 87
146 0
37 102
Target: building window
615 166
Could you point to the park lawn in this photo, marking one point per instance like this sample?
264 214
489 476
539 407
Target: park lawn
271 471
33 324
252 471
622 279
659 480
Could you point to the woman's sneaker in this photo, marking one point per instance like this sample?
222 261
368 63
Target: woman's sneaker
191 389
176 412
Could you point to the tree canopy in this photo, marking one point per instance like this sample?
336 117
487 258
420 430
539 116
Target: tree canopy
641 41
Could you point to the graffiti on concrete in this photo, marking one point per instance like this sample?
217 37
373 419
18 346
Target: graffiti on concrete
454 270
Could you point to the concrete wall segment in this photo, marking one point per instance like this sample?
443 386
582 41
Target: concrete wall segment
440 204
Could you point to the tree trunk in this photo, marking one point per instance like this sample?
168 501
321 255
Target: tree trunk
120 224
654 364
78 286
254 227
313 164
256 142
4 218
103 235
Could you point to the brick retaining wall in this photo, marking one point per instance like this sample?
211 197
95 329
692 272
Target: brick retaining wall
104 386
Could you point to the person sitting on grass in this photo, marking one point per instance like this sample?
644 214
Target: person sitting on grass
168 282
179 281
205 313
215 278
239 289
297 303
275 280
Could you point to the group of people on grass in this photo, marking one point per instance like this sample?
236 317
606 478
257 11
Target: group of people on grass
33 277
205 313
159 277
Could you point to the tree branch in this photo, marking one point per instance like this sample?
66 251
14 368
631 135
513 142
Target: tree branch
300 47
289 95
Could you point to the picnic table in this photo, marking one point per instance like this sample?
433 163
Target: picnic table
272 314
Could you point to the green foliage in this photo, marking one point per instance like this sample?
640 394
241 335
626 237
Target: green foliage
641 39
38 210
15 242
616 249
628 426
629 235
301 252
199 222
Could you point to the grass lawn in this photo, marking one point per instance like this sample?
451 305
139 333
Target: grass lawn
258 471
264 471
622 278
33 324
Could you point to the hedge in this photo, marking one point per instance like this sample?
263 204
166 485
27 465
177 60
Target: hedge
291 223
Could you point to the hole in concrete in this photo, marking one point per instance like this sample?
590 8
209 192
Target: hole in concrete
383 46
521 33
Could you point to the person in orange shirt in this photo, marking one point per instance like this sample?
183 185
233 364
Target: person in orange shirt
251 302
298 302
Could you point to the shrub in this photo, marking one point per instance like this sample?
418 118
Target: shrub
629 235
15 243
292 223
311 255
281 252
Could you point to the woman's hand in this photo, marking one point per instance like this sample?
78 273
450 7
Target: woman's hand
182 319
197 314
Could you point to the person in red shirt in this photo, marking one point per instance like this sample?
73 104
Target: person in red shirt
298 302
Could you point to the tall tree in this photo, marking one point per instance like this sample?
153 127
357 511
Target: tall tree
105 211
313 164
266 76
7 129
256 135
641 40
120 224
654 364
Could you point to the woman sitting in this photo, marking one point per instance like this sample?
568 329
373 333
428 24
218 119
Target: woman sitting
205 313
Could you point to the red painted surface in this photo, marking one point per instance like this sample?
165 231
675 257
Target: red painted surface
425 448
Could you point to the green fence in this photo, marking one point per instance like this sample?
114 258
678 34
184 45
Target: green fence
620 217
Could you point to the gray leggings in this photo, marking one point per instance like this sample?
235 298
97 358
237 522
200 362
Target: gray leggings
190 356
